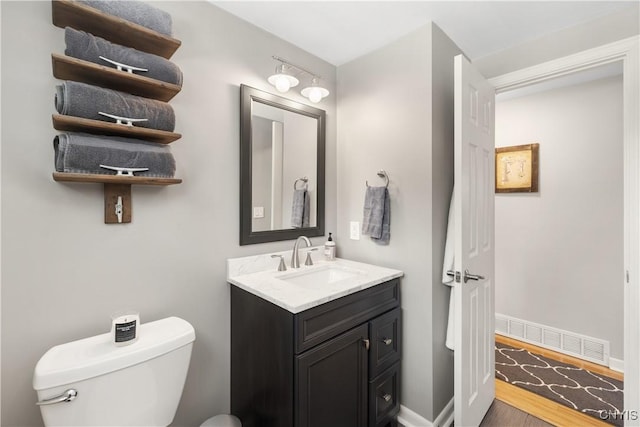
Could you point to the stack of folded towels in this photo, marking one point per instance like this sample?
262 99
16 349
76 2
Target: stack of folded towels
90 48
88 101
135 11
83 153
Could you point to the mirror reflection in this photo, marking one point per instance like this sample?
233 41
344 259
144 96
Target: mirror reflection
283 153
282 159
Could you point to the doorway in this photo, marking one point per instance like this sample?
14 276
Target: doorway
625 52
561 247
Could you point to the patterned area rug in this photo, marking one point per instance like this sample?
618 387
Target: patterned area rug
582 390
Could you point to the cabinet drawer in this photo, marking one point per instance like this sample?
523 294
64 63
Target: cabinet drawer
384 397
385 333
325 321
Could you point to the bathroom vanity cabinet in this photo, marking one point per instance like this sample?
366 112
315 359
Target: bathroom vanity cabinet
336 364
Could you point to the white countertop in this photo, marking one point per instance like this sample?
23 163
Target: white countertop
259 276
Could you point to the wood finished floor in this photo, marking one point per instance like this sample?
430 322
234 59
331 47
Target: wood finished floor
516 407
502 415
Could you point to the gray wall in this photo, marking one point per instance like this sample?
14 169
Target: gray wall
65 271
559 252
443 52
389 120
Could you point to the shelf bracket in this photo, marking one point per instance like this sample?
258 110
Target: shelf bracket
117 203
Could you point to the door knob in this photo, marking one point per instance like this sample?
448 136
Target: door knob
468 276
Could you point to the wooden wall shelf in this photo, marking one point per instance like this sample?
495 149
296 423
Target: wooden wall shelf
117 189
98 127
67 13
113 179
68 68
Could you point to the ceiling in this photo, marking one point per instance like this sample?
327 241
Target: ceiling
339 31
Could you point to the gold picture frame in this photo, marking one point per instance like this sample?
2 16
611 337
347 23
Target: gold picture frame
517 169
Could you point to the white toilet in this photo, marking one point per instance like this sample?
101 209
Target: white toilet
222 421
92 382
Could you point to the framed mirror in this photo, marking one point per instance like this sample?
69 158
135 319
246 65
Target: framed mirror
282 162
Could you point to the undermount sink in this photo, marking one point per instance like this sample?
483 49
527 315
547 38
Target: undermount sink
321 275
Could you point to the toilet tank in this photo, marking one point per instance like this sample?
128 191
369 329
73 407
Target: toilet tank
136 385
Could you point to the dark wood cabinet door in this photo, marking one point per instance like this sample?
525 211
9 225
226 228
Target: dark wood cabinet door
331 382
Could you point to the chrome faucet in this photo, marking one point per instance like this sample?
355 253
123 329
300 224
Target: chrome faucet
295 261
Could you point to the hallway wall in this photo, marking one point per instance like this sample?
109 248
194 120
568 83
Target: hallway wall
559 252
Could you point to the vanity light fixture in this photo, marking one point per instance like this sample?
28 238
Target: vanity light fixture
283 81
315 92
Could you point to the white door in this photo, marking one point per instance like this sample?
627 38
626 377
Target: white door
474 149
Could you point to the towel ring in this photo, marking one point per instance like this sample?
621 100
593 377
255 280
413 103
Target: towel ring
382 174
304 179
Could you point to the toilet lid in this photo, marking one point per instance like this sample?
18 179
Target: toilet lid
90 357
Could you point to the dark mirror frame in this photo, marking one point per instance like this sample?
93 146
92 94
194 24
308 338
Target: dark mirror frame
247 236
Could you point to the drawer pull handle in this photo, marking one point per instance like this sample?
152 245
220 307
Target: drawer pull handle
387 341
387 397
366 344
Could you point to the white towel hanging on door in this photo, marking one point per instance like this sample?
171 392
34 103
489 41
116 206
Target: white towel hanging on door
448 265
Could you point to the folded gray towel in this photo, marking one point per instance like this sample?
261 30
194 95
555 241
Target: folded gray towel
135 11
83 100
300 209
82 153
88 47
377 215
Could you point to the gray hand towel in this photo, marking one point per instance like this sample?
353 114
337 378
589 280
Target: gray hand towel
88 47
83 100
300 209
82 153
136 12
376 219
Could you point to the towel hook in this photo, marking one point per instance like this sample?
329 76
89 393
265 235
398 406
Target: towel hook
382 174
304 179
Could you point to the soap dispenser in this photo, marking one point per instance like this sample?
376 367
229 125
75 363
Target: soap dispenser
330 249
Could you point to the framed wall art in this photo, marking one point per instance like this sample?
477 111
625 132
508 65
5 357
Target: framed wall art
517 169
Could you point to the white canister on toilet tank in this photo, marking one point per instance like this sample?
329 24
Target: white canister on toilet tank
124 327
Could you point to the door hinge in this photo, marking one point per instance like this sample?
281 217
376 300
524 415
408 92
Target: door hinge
627 276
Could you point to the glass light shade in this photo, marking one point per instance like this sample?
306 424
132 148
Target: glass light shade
281 80
314 92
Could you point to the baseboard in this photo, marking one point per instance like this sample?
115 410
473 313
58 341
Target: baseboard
445 419
408 418
616 364
574 344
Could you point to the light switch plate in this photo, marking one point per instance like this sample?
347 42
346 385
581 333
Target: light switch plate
354 232
258 212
